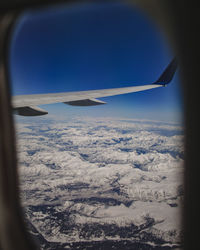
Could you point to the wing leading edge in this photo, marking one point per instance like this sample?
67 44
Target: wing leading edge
26 105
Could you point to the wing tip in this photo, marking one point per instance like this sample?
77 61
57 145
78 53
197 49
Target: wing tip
168 74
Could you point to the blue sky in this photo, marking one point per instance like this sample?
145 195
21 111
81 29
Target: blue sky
94 46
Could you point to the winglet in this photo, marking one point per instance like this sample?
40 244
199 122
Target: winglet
168 74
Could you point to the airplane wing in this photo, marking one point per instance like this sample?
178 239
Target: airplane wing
26 105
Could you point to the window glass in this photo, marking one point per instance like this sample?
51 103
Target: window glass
107 176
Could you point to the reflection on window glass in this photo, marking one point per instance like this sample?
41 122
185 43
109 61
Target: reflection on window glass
106 176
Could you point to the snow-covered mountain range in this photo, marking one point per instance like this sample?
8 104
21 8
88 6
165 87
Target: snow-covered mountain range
101 182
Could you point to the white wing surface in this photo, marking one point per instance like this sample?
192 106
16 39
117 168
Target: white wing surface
26 105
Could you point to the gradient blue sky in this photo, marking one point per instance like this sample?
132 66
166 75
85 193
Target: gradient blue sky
94 46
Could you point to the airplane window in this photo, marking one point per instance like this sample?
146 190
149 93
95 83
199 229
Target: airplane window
98 113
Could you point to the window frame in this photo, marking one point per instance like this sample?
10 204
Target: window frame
180 22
